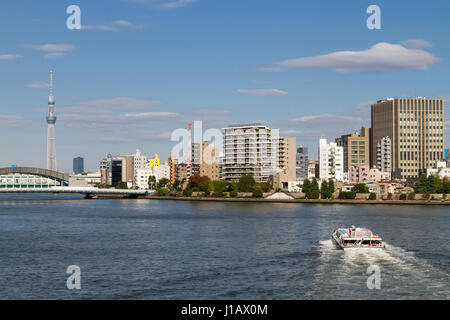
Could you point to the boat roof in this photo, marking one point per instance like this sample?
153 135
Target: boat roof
359 233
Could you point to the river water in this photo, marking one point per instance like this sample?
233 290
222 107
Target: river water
153 249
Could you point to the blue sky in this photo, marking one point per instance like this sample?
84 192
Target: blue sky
138 69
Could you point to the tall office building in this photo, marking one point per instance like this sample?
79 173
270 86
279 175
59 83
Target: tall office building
416 129
248 151
356 148
51 120
331 161
301 170
78 165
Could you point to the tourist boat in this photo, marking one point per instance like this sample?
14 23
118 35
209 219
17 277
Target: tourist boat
357 238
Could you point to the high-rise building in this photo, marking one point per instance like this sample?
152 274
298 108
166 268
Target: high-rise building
51 120
356 148
384 155
181 171
248 151
285 161
331 161
162 171
172 162
78 165
416 129
302 163
105 170
122 169
139 161
205 160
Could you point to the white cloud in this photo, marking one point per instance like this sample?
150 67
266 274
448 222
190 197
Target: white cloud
262 92
100 27
327 120
122 23
153 115
382 57
12 121
119 103
54 55
116 25
10 56
53 50
37 85
175 4
416 43
50 47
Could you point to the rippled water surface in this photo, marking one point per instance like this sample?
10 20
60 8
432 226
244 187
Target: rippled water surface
149 249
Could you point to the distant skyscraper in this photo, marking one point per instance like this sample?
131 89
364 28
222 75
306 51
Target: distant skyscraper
51 120
416 129
302 163
78 165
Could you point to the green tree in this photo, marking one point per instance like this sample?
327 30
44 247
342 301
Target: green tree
265 186
122 185
246 183
177 185
257 192
331 186
151 182
421 184
162 191
360 188
403 196
347 195
306 186
163 183
373 196
201 183
187 192
324 189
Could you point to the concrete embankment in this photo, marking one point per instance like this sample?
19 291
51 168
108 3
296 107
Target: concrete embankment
319 201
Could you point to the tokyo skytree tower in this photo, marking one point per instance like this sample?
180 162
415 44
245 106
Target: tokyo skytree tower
51 120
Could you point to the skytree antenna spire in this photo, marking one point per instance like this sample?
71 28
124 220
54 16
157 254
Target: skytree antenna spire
51 120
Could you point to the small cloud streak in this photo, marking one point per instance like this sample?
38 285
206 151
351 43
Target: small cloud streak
382 57
262 92
37 85
13 121
416 44
53 50
175 4
10 56
116 25
50 47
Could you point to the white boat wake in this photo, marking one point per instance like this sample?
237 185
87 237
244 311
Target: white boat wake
343 274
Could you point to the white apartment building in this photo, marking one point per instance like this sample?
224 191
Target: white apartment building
139 160
384 154
248 150
161 171
440 170
141 177
331 161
